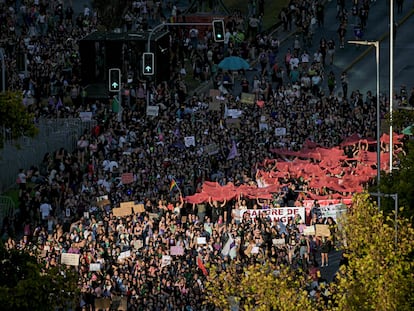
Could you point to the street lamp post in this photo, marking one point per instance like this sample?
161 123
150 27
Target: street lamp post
376 44
391 79
394 196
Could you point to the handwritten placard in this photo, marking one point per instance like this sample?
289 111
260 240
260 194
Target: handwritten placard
102 200
233 123
138 208
124 255
166 260
247 98
278 241
211 149
137 244
322 230
201 240
95 267
121 211
127 178
309 230
69 259
153 216
214 106
152 111
176 251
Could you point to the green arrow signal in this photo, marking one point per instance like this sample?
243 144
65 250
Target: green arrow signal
148 68
115 85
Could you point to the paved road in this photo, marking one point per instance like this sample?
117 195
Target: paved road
362 74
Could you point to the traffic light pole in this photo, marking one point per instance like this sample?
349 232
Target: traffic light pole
158 27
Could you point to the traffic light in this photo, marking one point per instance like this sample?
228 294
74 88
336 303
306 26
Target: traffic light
218 30
148 64
114 80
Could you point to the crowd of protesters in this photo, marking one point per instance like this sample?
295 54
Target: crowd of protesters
59 205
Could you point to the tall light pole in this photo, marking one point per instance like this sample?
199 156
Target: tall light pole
391 78
376 44
3 70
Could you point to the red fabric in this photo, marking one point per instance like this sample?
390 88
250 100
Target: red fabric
201 266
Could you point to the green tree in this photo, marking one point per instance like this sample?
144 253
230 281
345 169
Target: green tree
379 273
25 284
14 117
401 182
258 287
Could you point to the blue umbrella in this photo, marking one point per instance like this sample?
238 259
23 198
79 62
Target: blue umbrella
233 63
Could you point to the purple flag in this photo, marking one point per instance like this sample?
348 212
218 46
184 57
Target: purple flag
233 152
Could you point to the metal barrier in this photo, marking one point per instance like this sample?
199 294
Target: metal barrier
24 152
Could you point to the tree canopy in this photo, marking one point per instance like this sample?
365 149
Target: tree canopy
26 284
14 117
378 274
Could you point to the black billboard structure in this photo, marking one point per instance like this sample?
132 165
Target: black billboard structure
101 51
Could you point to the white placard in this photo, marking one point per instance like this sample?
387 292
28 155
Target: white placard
152 111
69 259
280 131
201 240
309 230
189 141
166 260
255 250
85 115
95 267
275 214
124 255
278 241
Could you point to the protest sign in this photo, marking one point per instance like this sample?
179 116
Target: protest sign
280 131
255 250
153 216
189 141
138 208
334 211
124 255
233 123
322 230
309 230
211 149
278 241
102 200
214 105
95 267
122 211
127 178
275 214
176 251
137 244
69 259
165 260
213 93
152 111
201 240
119 303
102 303
85 115
247 98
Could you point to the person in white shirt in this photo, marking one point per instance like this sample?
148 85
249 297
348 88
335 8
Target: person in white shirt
45 209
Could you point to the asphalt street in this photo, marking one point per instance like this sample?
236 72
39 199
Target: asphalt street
356 60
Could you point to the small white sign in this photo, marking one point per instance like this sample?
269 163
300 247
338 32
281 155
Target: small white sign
201 240
189 141
152 111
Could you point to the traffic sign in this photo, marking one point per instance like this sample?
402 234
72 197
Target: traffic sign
114 80
148 64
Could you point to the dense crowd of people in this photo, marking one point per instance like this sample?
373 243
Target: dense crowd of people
158 258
